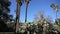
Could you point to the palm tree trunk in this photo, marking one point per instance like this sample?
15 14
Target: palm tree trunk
17 16
56 15
26 13
44 30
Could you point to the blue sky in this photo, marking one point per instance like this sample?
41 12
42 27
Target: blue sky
34 7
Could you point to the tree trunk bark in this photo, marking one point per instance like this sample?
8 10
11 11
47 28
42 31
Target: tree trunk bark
26 13
17 17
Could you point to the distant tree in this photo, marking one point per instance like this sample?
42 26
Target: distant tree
55 7
36 18
39 17
41 21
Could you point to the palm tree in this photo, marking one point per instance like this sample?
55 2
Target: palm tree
27 2
19 4
55 7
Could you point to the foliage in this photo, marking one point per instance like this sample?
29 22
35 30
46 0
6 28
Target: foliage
55 7
4 15
52 5
58 21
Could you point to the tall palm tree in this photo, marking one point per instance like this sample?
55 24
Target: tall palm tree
55 7
19 4
27 2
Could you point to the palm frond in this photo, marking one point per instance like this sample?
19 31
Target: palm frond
27 1
52 5
56 8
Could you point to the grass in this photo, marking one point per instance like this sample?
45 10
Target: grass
10 33
6 32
